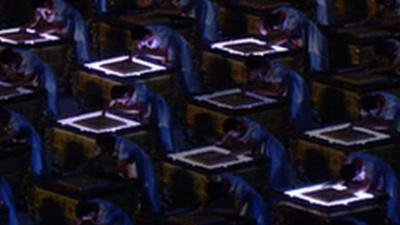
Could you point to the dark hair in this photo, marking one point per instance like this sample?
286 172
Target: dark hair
140 32
106 143
7 56
230 124
84 208
119 91
272 19
348 172
369 102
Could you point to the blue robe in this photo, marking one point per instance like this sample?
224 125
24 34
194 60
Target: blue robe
6 197
242 190
42 75
101 6
313 40
391 109
297 91
325 12
180 53
18 123
205 14
279 167
385 179
155 109
128 150
110 214
74 26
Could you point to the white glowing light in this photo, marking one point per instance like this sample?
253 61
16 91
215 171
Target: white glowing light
223 45
44 37
71 121
376 136
19 91
182 156
262 100
300 193
152 67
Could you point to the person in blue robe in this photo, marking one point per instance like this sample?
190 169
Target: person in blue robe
289 83
61 18
205 13
18 127
251 202
301 32
7 201
101 212
33 71
381 110
362 171
134 164
152 108
172 47
248 134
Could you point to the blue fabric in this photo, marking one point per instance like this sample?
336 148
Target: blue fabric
206 17
391 109
279 169
101 5
6 197
158 110
385 179
242 190
297 91
74 26
146 175
325 13
18 123
315 43
180 53
42 74
110 214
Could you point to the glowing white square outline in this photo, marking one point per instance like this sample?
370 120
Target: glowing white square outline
263 100
21 91
180 156
222 46
44 37
70 121
377 136
300 193
97 65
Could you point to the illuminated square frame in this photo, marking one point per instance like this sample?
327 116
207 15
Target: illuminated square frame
300 194
97 65
21 91
70 121
377 136
249 40
263 100
44 37
181 156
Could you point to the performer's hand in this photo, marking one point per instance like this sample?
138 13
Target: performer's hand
262 30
